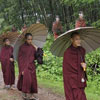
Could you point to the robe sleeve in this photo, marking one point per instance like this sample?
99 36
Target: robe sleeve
84 52
12 53
82 55
0 55
20 59
64 60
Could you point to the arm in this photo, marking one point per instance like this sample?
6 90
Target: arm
12 57
20 59
83 64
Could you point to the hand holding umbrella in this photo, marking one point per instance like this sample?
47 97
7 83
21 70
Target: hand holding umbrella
83 66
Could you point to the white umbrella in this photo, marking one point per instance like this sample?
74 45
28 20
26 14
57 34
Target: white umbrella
90 40
39 33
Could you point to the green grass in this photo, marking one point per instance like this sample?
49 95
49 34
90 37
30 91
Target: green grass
57 87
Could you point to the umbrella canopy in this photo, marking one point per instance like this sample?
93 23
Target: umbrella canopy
12 36
39 33
90 40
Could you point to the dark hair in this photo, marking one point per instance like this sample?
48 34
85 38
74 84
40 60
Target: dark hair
27 35
5 39
74 34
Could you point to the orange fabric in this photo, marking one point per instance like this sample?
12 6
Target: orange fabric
80 23
56 26
55 36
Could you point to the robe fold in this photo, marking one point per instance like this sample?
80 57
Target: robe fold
7 66
27 83
73 73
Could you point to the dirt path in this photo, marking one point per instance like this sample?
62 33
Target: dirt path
43 94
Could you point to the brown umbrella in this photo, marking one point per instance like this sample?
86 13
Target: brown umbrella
12 36
90 40
39 33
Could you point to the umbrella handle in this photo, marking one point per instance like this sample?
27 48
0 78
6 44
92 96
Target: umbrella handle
84 69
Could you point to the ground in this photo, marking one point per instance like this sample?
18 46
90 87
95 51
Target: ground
44 94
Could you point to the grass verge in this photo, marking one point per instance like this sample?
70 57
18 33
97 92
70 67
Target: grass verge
57 87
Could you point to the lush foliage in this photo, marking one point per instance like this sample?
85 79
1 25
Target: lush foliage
18 12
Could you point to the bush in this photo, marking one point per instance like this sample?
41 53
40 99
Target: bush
52 67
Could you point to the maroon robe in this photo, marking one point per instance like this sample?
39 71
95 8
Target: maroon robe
73 73
80 23
7 66
27 83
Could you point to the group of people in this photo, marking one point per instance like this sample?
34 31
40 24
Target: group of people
57 26
22 30
27 54
73 74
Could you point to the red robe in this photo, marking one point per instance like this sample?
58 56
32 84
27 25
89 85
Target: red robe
27 83
56 26
73 73
80 23
7 66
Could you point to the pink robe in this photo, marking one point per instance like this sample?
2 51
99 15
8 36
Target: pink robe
27 83
56 26
80 23
73 73
7 66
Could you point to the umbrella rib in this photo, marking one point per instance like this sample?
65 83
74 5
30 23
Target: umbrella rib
91 39
67 46
94 31
88 44
62 47
30 28
36 27
40 30
38 40
93 35
56 45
